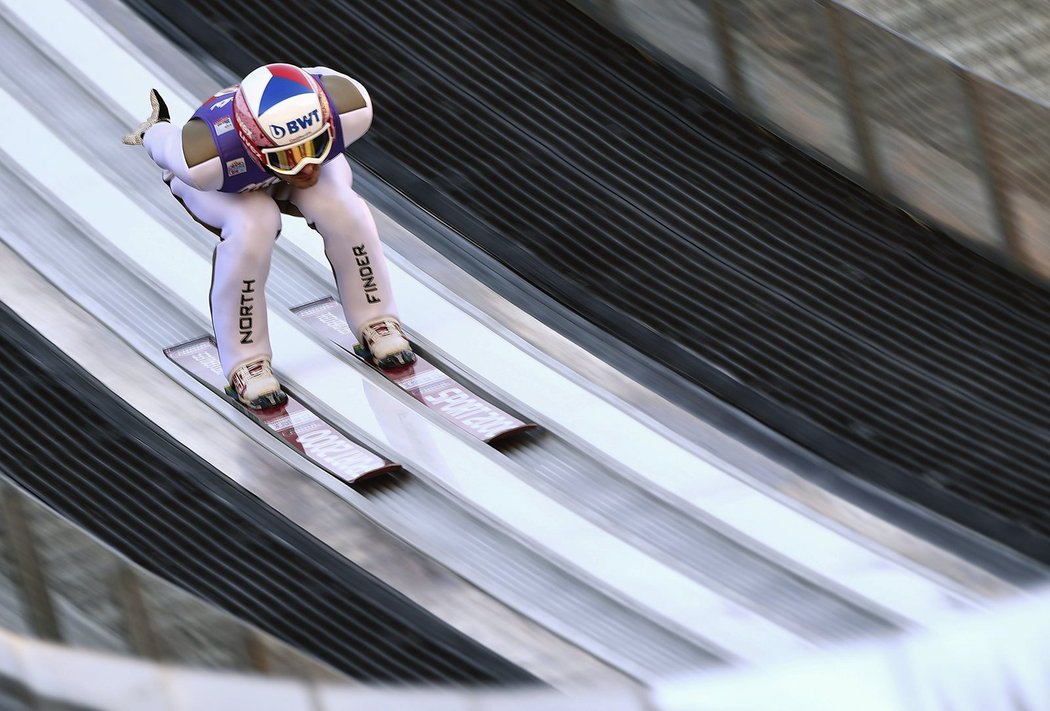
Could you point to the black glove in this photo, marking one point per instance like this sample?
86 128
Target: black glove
159 113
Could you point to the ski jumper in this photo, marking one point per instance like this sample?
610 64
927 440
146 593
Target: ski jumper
222 186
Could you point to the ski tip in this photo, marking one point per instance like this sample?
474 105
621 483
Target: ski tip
380 476
512 434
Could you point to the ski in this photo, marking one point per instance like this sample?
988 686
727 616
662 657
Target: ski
294 423
422 380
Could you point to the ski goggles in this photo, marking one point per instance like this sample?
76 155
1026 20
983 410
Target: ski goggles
289 160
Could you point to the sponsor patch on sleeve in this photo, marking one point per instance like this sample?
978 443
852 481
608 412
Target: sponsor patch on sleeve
223 125
236 167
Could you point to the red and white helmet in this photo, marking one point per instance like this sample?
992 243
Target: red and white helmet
283 118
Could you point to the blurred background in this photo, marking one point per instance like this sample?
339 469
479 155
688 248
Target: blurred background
769 276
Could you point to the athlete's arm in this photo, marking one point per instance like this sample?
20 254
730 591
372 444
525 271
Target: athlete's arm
351 100
189 153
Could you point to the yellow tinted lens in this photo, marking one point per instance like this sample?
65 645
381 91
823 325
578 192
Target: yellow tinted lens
287 158
316 146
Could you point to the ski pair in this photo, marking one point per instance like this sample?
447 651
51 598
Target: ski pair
322 443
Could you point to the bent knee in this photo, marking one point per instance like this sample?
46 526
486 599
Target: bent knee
259 223
333 204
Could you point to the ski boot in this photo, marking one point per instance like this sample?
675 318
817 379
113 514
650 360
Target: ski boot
254 384
386 344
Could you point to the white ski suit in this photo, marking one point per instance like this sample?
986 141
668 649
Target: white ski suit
249 223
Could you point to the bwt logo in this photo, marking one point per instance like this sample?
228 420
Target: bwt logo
299 124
